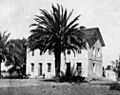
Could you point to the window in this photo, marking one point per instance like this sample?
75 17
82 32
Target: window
79 51
99 53
40 53
32 67
93 50
98 49
68 51
49 67
49 52
32 53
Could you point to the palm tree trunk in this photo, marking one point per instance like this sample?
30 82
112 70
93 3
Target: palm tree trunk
65 57
57 64
24 66
0 70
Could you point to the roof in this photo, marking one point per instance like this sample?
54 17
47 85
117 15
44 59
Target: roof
92 35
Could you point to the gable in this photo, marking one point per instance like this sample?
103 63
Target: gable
92 35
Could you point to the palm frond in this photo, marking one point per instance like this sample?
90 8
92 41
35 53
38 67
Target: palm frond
53 27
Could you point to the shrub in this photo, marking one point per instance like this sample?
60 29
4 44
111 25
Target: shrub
74 76
115 86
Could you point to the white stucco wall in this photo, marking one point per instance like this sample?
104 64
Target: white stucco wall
95 58
46 58
36 59
79 58
86 57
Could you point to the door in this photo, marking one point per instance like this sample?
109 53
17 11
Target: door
40 69
79 68
68 69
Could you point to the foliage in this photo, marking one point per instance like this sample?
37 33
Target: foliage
116 65
3 48
13 52
74 76
55 32
16 56
115 86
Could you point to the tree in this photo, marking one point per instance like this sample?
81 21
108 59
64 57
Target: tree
55 32
16 56
116 65
3 48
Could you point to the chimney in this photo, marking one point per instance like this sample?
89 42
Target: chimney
82 27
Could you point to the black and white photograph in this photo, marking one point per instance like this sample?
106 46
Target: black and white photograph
59 47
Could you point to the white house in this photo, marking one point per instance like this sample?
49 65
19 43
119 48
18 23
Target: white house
88 61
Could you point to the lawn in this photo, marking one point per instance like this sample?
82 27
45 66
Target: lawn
37 87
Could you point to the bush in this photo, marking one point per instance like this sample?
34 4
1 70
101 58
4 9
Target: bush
76 79
115 86
16 77
74 76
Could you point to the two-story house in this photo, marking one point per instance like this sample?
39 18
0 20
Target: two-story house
89 60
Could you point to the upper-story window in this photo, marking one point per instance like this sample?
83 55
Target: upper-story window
32 53
49 52
99 53
98 49
40 53
79 51
93 50
68 52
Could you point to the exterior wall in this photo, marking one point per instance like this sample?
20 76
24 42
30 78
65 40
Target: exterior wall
46 58
95 60
91 62
79 58
37 59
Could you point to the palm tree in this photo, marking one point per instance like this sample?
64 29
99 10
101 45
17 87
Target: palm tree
55 32
16 56
3 48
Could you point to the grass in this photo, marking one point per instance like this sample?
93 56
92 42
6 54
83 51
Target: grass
37 87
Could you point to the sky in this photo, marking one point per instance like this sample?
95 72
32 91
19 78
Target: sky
17 15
